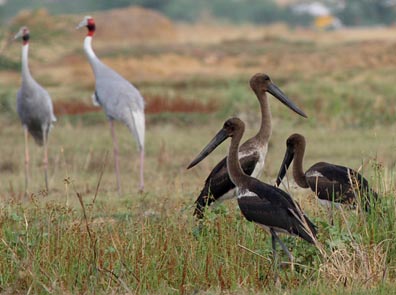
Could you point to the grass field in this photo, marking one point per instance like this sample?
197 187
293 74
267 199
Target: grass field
81 237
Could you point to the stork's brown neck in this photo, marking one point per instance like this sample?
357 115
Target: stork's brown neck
298 171
265 130
234 167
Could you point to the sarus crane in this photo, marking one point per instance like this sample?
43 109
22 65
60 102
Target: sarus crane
120 100
34 107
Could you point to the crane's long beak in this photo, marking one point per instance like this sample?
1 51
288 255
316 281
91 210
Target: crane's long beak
215 142
18 35
82 24
288 158
275 91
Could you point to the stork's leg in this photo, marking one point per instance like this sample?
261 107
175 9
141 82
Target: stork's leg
27 159
274 235
331 215
273 238
115 150
141 186
275 256
45 160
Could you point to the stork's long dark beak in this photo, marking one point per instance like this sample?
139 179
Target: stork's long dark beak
275 91
287 159
215 142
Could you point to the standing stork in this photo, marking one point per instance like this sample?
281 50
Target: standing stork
218 185
34 107
119 98
331 183
264 204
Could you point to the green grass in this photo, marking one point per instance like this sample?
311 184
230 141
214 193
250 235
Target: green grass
142 246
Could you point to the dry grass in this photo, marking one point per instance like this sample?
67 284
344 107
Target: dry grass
356 267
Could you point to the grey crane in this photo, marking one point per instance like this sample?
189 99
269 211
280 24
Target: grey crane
120 100
34 107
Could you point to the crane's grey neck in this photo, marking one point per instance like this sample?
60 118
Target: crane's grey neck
265 130
25 65
92 58
234 167
298 170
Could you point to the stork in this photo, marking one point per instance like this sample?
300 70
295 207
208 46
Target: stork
34 107
218 185
264 204
332 184
120 100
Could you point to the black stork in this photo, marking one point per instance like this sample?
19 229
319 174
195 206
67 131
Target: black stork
333 184
218 186
264 204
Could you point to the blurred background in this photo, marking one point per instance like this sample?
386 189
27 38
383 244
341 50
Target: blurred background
192 61
293 12
325 13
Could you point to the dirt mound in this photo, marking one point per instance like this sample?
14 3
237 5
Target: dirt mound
42 25
134 24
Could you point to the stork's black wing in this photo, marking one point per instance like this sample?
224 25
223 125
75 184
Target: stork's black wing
274 208
218 183
333 183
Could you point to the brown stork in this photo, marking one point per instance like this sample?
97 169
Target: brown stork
264 204
333 184
218 185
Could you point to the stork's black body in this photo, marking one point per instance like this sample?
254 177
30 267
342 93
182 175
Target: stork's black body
331 183
274 209
264 204
218 185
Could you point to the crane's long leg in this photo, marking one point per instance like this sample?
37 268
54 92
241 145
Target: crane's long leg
45 159
274 235
115 150
141 187
27 159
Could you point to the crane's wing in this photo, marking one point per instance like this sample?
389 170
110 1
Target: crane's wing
35 110
95 99
121 101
